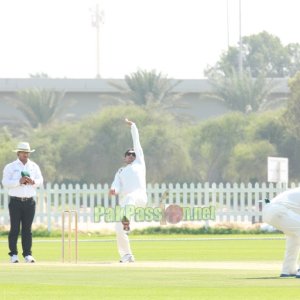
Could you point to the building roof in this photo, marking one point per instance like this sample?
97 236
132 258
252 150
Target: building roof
104 86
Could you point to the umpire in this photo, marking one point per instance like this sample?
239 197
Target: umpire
21 178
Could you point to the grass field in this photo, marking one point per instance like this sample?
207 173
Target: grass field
188 267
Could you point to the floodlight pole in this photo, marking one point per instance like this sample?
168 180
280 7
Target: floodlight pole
227 12
97 19
240 40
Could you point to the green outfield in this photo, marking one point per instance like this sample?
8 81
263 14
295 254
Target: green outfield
167 267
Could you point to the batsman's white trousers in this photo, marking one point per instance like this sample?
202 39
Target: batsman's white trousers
287 221
137 199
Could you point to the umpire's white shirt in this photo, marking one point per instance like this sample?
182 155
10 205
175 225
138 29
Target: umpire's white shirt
12 176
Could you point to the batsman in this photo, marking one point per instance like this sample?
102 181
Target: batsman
283 212
130 185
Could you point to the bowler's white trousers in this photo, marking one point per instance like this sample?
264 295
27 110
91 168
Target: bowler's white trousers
137 199
287 221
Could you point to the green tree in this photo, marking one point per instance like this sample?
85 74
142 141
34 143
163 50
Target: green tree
293 50
212 144
291 117
263 53
48 142
269 127
248 162
149 89
7 144
240 92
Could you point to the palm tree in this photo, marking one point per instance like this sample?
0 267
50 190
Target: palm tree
39 106
240 92
149 89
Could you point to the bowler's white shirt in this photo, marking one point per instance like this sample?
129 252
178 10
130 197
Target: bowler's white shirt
12 176
132 177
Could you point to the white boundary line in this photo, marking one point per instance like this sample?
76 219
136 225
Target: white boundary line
49 240
227 265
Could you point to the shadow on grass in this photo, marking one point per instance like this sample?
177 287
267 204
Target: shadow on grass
277 277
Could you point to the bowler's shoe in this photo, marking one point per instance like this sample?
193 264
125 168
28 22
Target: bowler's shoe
127 258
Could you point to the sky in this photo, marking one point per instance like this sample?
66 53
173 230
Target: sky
178 38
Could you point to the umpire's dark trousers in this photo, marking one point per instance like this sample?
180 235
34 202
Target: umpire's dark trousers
21 214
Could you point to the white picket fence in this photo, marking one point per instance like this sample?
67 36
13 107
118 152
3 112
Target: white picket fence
232 202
